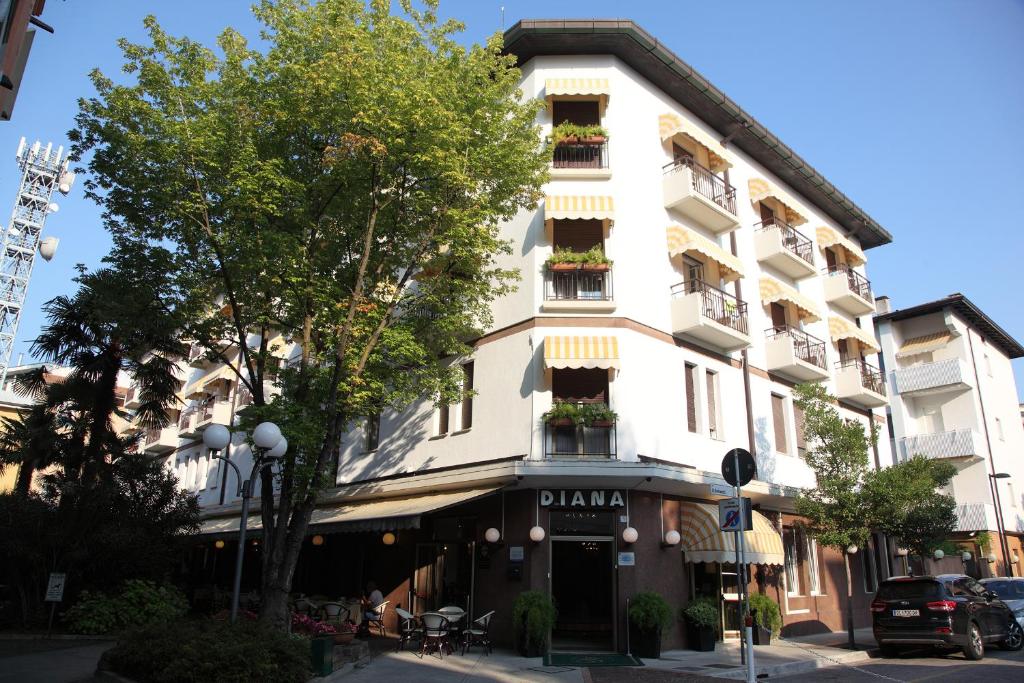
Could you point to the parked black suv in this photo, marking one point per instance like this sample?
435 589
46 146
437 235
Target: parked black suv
945 611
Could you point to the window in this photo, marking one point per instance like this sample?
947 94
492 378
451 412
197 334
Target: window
813 574
798 427
467 396
779 422
442 420
214 472
870 572
999 429
582 113
1011 495
713 413
988 365
791 547
691 397
372 432
203 466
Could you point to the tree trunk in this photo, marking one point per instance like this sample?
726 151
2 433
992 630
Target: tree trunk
852 642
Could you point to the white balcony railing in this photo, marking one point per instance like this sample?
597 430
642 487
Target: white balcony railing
932 377
960 443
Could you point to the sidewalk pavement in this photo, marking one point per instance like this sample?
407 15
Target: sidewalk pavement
50 660
784 657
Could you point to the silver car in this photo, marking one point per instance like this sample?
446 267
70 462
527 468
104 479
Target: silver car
1011 591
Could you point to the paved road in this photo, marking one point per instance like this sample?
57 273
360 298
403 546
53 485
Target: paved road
50 661
911 667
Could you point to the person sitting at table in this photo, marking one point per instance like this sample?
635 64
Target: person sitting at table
370 602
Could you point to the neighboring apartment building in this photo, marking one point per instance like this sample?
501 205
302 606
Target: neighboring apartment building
954 398
738 271
15 45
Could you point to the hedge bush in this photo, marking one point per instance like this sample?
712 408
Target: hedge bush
193 651
138 603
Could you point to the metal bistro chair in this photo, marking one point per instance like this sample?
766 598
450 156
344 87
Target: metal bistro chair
478 634
334 613
408 629
376 618
435 633
305 606
454 614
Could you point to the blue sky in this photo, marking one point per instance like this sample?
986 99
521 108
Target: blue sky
913 109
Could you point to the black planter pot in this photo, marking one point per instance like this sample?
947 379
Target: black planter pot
530 650
705 640
762 636
646 643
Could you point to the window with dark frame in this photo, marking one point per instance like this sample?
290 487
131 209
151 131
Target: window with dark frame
467 396
712 391
691 397
798 428
578 112
779 423
442 419
372 432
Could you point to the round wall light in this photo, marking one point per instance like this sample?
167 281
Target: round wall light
218 544
629 535
851 549
938 554
388 538
991 558
965 556
492 535
672 537
537 534
318 540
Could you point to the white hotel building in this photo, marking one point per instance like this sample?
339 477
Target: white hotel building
738 270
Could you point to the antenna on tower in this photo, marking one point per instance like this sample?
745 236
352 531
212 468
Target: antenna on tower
40 176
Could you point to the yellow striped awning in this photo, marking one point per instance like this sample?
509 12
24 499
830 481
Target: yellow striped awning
827 237
842 329
683 240
704 541
207 384
760 188
924 344
773 290
581 352
596 88
670 125
579 207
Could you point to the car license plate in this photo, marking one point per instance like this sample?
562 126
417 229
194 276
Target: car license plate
906 613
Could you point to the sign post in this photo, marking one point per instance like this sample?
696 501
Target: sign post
54 594
738 468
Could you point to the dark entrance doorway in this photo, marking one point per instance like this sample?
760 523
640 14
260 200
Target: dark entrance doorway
583 581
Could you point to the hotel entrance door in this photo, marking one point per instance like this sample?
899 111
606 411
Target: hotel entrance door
583 581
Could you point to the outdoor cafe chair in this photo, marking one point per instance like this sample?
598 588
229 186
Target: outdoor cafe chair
334 612
376 617
435 633
478 634
408 628
454 615
305 606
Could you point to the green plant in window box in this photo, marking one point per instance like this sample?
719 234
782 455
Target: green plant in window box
597 415
594 259
566 133
563 259
767 618
562 414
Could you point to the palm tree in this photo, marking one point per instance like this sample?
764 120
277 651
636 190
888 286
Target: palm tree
30 442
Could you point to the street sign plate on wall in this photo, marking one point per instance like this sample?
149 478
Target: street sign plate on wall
720 490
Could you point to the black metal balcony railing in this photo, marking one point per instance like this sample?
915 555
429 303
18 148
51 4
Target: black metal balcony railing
195 352
185 419
577 441
706 182
152 436
870 376
577 285
581 155
858 284
792 239
720 306
806 347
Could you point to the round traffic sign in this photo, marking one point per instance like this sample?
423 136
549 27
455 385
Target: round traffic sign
747 467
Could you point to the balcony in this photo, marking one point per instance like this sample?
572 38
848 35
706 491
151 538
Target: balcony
960 443
847 289
932 378
160 440
131 399
581 160
564 440
709 315
187 424
976 517
578 290
784 248
795 354
860 383
215 410
698 193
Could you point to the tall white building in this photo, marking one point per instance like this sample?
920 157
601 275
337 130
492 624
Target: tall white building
736 271
954 398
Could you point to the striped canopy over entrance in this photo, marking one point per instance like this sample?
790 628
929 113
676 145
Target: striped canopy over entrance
581 352
704 541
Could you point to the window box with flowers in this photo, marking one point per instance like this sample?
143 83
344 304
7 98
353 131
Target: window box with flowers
566 133
592 259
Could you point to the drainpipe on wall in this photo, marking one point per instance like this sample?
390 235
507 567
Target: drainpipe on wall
1007 567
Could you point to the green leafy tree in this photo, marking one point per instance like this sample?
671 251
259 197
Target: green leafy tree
341 188
29 442
836 511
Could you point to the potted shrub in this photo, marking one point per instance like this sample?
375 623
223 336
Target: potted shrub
562 414
702 619
566 133
533 616
563 259
649 615
597 415
594 259
767 618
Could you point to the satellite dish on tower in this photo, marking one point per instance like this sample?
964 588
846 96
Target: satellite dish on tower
48 247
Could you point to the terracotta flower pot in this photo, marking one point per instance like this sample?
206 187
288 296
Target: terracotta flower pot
601 423
568 140
343 638
593 140
596 267
560 422
559 267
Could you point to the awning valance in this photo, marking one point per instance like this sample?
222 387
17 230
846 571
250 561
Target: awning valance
682 240
924 344
670 125
579 207
596 88
827 237
841 329
774 290
581 352
371 515
210 383
760 188
704 541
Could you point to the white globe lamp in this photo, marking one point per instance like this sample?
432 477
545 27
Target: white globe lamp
965 556
266 435
537 534
851 549
991 558
216 437
629 535
938 554
278 451
672 537
492 535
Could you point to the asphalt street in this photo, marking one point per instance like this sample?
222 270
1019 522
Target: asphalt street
997 666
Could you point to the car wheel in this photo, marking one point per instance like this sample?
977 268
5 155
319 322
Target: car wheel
889 650
975 648
1014 638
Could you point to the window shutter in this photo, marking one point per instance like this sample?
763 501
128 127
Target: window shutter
798 424
467 398
442 419
712 405
779 422
691 398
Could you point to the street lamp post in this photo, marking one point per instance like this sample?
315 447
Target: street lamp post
1007 567
269 446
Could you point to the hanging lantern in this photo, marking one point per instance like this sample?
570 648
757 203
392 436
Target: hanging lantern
388 538
537 534
318 540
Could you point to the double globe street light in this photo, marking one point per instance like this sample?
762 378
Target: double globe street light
270 446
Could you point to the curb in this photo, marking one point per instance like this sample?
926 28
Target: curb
793 668
54 636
